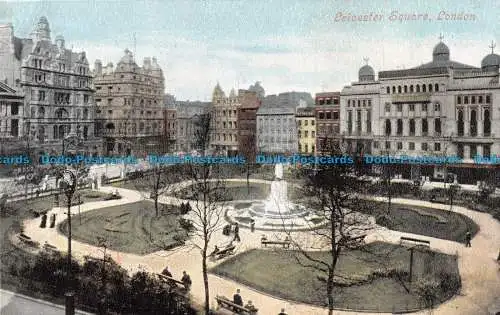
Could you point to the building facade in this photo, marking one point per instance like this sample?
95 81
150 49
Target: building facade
306 130
11 118
170 128
189 115
247 124
129 99
441 108
224 124
327 113
57 84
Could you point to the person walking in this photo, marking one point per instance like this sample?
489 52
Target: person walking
186 280
237 233
282 312
468 237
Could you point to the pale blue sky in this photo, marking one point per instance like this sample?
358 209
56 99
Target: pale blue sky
287 45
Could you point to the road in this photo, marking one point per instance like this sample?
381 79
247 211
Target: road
16 304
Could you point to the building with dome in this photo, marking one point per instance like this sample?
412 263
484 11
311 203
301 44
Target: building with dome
57 85
440 108
129 106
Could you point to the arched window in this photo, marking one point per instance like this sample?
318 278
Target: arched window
85 113
387 127
33 112
61 132
406 89
460 123
430 87
412 127
459 100
393 90
418 88
399 89
437 126
411 88
399 129
436 87
473 123
423 88
388 90
425 127
487 123
61 113
55 131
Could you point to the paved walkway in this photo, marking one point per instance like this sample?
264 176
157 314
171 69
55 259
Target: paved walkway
478 268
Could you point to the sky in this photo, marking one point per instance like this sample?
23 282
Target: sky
287 45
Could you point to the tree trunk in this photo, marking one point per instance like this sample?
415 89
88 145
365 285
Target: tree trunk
156 205
205 276
248 179
329 292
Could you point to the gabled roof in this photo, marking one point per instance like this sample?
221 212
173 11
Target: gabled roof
5 89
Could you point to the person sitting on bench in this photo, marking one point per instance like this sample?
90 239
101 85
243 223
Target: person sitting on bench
249 306
216 251
237 298
186 280
166 272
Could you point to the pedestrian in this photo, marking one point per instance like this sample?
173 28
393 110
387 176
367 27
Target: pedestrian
237 233
237 298
468 237
252 225
186 280
282 312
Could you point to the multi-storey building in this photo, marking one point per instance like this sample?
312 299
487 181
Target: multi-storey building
306 130
247 124
129 101
276 127
441 108
189 115
11 115
170 127
57 84
224 116
327 113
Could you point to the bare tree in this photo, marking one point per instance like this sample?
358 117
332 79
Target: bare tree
330 190
207 189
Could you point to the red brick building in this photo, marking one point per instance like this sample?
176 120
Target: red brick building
327 111
247 124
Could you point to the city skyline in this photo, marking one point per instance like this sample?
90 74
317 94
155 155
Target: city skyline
286 46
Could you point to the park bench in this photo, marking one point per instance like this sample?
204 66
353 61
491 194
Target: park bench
414 241
285 243
229 250
171 280
224 302
27 240
50 248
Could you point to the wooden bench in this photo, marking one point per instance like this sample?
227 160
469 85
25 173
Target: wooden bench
286 243
226 303
171 280
224 252
416 241
50 248
27 240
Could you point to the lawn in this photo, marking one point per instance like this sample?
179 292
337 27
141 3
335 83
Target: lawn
424 221
235 191
365 279
131 228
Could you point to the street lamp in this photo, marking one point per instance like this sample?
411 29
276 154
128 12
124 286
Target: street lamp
68 184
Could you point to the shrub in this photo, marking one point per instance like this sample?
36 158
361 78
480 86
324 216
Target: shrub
186 225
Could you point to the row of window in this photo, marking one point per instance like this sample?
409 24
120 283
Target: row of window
305 148
14 108
228 137
353 103
14 128
473 98
328 115
424 146
411 107
278 120
327 101
411 122
305 134
306 122
473 123
60 113
413 89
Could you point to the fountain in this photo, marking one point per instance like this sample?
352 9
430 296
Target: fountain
276 211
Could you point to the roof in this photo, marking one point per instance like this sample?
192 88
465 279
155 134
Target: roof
446 64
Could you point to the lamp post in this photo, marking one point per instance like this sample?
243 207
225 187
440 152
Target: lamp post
68 183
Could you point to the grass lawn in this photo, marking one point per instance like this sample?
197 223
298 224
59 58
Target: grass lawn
424 221
235 191
369 286
131 228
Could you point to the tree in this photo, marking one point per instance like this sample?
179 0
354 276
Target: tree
207 188
330 191
453 189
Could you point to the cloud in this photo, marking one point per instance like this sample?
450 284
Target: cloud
302 63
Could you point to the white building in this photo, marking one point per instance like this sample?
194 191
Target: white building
441 108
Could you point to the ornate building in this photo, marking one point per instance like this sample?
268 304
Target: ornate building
57 84
306 130
129 101
224 117
247 123
11 117
189 114
441 108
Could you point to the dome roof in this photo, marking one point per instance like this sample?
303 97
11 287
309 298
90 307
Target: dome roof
441 52
128 57
366 70
492 60
43 19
